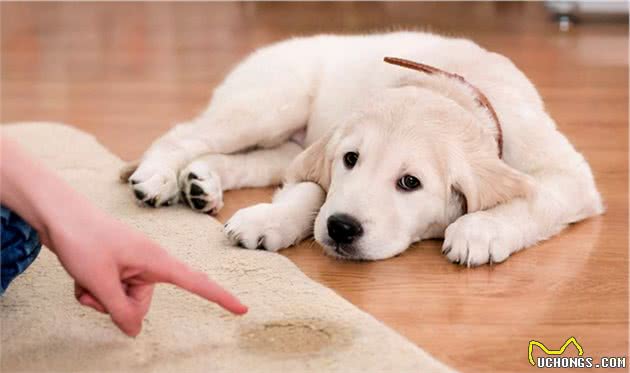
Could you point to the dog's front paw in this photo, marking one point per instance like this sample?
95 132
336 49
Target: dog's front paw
479 238
260 227
201 188
154 186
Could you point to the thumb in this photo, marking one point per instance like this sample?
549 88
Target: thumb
122 311
126 319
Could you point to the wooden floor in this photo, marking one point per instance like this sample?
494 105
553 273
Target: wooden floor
128 71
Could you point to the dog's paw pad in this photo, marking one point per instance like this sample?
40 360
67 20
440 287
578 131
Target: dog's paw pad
202 192
195 190
154 187
138 193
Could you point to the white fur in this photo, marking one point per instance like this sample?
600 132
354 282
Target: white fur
339 90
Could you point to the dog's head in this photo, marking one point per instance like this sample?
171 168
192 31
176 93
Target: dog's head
413 160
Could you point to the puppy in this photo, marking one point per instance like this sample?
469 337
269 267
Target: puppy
445 140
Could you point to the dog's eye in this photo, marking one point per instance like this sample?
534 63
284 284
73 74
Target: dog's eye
409 183
350 159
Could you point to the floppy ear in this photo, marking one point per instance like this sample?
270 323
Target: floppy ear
314 163
488 181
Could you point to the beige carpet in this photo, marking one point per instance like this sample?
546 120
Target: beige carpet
294 324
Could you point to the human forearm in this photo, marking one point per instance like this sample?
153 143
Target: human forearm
38 195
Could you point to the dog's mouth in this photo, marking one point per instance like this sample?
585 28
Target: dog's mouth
339 250
344 252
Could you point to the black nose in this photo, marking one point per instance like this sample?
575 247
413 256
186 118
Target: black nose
343 229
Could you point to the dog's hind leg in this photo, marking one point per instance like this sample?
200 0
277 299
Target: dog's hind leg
203 181
262 103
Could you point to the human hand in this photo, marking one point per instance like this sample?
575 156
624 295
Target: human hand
115 268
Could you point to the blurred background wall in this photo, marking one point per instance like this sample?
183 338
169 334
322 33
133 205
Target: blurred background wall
124 66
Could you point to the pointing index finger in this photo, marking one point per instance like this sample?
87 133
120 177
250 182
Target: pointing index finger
179 274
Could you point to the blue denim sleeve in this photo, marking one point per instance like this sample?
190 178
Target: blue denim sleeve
20 246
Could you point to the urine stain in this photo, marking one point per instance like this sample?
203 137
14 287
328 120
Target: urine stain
294 337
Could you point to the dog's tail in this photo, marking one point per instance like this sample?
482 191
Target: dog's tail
127 170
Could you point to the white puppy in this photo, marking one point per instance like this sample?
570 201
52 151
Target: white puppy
459 146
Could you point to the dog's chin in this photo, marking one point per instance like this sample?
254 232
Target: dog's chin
352 252
342 252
